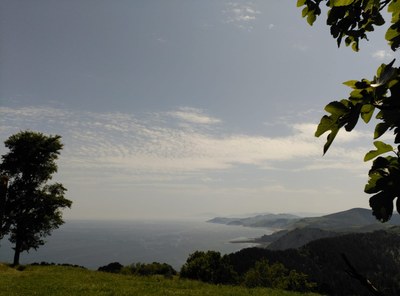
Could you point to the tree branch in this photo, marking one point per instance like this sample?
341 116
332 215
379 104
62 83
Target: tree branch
384 4
364 281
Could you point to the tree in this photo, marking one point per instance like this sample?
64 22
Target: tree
209 267
31 207
351 21
276 276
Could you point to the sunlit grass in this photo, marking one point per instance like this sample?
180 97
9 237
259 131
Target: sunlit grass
57 280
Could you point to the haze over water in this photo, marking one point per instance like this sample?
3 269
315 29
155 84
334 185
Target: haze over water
96 243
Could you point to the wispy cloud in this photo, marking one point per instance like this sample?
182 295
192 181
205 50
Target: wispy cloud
382 54
131 147
194 115
241 14
300 47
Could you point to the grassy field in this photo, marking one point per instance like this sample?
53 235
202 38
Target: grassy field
57 280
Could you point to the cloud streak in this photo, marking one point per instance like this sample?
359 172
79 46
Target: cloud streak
123 144
382 55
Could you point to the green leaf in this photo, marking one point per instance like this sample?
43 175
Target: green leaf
380 149
352 117
325 125
330 139
311 17
336 108
382 206
351 83
391 33
371 186
380 129
304 12
301 2
341 2
354 46
366 112
394 6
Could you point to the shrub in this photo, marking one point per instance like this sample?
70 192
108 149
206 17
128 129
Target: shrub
114 267
153 269
276 276
209 267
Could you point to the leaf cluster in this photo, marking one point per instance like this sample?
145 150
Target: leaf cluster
352 20
381 95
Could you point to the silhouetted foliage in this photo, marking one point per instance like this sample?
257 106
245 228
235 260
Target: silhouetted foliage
351 21
44 263
142 269
209 267
146 269
31 208
276 276
376 255
114 267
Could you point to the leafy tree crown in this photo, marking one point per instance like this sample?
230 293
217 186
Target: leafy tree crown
352 21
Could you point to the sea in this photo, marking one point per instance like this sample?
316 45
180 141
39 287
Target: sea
97 243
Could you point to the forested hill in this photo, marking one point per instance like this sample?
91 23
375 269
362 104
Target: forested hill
376 255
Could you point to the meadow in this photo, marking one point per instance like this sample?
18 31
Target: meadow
62 281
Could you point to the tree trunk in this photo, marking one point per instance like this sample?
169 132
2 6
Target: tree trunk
17 251
3 199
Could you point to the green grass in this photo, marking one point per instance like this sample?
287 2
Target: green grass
57 280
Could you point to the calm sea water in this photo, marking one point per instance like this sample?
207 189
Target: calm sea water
96 243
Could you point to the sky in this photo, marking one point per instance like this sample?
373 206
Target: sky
185 109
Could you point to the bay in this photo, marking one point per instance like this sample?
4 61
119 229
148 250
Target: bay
96 243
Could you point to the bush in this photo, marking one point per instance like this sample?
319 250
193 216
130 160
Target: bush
152 269
209 267
144 269
276 276
114 267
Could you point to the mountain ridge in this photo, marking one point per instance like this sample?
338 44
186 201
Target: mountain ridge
294 232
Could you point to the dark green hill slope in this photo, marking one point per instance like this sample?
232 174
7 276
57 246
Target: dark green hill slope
376 255
351 220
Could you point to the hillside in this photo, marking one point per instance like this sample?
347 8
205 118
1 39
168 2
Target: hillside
356 219
299 237
350 220
375 255
67 281
296 232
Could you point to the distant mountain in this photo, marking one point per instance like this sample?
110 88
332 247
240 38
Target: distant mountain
267 220
357 219
296 232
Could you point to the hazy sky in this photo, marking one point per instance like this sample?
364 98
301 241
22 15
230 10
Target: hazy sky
180 108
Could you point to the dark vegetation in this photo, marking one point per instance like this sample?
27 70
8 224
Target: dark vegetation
351 21
30 207
316 267
142 269
376 255
213 268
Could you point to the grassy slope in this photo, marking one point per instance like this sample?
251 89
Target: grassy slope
55 280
